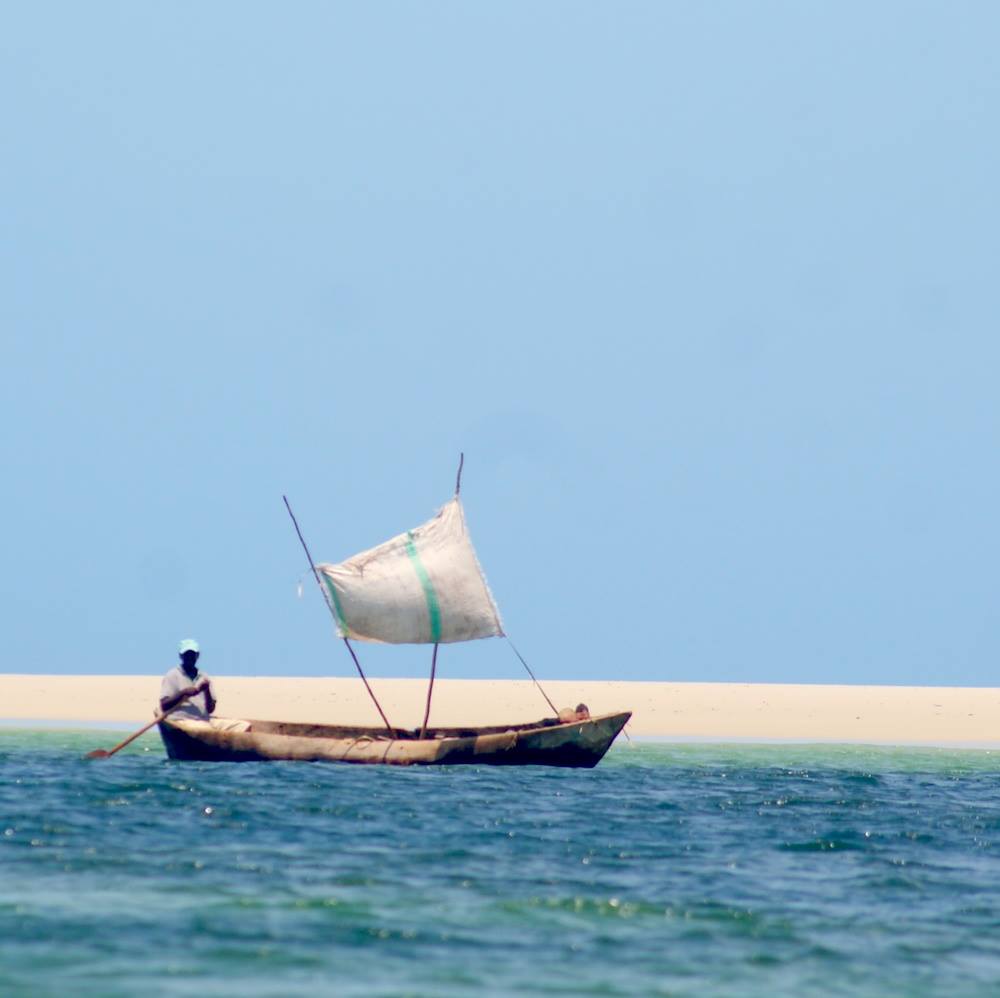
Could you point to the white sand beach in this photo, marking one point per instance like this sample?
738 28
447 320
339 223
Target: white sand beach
897 715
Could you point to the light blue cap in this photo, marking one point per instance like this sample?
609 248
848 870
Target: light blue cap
188 644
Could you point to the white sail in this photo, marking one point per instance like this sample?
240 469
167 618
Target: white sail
421 587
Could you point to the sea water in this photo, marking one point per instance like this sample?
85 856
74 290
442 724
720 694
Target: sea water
701 870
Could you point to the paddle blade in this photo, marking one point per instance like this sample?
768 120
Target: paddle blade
98 753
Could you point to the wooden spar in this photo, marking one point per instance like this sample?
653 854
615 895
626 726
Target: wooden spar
434 657
535 681
430 690
458 488
378 706
329 604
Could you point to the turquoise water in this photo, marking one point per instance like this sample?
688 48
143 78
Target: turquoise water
669 870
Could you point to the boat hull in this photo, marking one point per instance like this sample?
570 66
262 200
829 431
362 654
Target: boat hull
544 743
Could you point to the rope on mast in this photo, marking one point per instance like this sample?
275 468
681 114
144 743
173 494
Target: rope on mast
329 605
530 673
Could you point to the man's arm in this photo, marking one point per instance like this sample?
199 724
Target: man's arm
168 703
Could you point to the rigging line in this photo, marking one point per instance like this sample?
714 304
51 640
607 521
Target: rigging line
458 477
371 692
326 597
530 673
430 690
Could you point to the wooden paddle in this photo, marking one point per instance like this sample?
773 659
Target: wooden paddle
100 753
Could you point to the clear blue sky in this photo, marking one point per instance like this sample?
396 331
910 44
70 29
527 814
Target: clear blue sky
707 293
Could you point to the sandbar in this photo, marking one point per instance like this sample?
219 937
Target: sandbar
889 715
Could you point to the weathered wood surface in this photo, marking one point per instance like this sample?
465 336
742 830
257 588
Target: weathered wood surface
546 743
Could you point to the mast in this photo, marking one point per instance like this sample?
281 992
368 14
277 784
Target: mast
430 690
329 605
434 656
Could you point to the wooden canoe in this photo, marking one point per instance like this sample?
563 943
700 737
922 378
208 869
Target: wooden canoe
542 743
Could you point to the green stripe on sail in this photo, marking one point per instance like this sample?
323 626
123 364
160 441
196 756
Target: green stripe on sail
337 608
433 608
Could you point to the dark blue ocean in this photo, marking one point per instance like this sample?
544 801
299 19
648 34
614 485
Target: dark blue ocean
732 871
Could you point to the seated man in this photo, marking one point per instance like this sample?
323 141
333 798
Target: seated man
185 680
579 713
187 693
